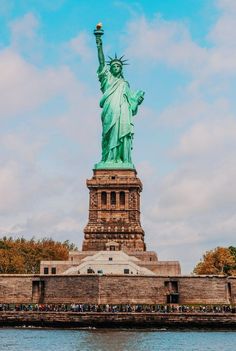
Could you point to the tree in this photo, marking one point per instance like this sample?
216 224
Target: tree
11 262
24 256
232 250
220 261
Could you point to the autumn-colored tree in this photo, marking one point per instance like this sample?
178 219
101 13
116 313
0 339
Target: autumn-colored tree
11 261
24 256
220 260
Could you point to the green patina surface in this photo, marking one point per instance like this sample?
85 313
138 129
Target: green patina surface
114 165
119 106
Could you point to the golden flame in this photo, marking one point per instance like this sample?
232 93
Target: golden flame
99 26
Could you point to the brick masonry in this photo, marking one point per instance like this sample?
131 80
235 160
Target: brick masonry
15 288
96 289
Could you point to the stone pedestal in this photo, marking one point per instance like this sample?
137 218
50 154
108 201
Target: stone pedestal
114 212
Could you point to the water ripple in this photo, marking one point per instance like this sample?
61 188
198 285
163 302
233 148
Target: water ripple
115 340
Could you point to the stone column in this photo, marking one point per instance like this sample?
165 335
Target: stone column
99 198
117 200
126 199
108 200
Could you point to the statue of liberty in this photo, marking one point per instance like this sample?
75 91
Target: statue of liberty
119 105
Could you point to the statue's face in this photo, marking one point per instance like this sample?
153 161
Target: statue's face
116 69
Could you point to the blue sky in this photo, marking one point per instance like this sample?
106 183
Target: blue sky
182 53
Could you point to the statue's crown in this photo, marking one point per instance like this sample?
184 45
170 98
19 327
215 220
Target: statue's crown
117 60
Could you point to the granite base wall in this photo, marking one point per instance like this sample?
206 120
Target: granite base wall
15 288
231 289
71 289
211 290
96 289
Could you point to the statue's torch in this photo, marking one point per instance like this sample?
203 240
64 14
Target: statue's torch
98 32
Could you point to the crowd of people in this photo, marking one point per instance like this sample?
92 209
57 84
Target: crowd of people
84 308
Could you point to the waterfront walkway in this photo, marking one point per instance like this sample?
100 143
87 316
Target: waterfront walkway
90 308
109 316
117 320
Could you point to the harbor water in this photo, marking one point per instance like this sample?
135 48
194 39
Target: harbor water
115 340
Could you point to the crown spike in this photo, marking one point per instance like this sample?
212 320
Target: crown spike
120 60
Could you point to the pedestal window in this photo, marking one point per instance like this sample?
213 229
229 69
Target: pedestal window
113 198
104 198
122 198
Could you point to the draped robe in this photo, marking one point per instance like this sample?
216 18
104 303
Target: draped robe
119 106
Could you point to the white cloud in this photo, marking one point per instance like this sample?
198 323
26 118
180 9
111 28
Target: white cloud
190 192
194 108
213 137
80 46
227 5
25 38
17 146
50 223
204 179
10 187
24 87
171 43
167 41
25 27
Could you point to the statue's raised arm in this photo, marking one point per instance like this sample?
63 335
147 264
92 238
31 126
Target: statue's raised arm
98 32
119 106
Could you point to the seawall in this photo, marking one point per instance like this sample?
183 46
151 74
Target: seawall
118 320
116 289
